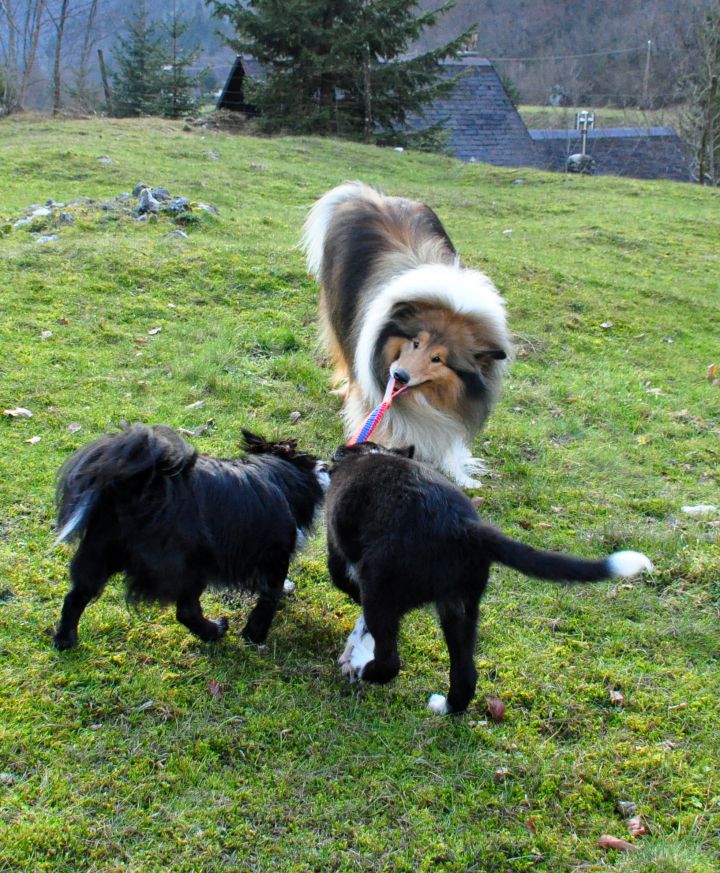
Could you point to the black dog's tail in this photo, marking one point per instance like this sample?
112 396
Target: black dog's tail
557 566
138 451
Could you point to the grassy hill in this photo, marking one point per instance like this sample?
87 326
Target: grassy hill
116 756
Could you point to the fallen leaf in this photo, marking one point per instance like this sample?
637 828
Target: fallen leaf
33 440
154 330
608 842
74 427
496 707
141 340
63 321
635 825
712 372
531 825
477 502
669 745
617 698
45 334
606 325
295 416
18 412
526 525
679 706
197 405
501 774
215 689
143 706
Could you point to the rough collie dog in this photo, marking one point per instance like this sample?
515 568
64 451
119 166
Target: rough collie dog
395 299
144 503
400 536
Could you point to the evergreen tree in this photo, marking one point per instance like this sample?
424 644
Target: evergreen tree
339 66
179 86
139 78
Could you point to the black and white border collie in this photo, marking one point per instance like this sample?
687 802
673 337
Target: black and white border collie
401 536
143 502
395 299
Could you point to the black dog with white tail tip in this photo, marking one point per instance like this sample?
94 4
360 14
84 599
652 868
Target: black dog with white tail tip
144 503
400 536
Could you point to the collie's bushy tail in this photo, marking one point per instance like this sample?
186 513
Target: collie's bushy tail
320 216
138 451
559 567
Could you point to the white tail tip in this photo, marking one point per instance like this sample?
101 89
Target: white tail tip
438 704
626 564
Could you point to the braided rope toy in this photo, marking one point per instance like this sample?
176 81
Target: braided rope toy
376 416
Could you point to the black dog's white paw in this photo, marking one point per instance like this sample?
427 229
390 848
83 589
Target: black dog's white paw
359 651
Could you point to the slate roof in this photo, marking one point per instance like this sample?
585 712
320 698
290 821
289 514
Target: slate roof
482 123
639 152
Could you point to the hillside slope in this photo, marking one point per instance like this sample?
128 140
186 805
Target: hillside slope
116 756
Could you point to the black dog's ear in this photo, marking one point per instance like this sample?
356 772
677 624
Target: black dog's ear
404 452
493 354
253 442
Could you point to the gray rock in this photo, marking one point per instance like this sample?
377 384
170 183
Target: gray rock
138 188
208 208
47 239
22 222
161 194
66 218
41 212
147 203
176 206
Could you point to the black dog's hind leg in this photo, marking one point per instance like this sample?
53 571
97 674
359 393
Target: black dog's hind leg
90 569
459 623
338 567
189 612
272 573
384 627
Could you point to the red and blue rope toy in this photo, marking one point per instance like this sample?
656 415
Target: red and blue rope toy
375 417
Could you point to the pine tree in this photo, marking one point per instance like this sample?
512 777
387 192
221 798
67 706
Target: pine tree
139 77
178 94
339 66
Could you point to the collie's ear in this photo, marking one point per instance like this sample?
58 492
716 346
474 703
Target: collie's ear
403 311
493 354
404 452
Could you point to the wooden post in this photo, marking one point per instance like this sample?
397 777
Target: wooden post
106 84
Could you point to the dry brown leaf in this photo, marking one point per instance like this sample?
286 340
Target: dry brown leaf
74 427
295 416
496 707
607 841
33 440
501 774
617 698
198 404
215 689
712 372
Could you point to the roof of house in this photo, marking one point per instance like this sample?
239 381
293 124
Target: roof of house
481 120
639 152
483 125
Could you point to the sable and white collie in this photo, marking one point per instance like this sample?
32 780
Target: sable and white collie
395 299
400 536
144 503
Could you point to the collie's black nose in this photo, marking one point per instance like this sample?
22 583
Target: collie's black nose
402 376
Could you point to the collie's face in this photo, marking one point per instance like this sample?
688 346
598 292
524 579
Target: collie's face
439 355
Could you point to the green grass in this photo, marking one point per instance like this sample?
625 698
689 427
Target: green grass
563 117
115 756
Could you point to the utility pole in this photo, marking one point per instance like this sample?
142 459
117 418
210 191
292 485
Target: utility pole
646 76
